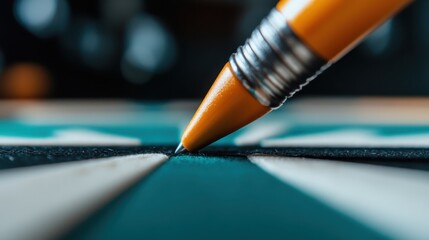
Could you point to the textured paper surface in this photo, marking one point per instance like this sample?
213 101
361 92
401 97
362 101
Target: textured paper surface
391 200
43 202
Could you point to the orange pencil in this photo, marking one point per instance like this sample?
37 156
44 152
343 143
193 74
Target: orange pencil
293 44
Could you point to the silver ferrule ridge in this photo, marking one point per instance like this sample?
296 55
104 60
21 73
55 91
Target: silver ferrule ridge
274 63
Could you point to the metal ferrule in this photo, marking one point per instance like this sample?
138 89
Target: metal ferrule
274 63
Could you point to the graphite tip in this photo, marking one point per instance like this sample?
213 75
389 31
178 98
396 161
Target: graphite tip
179 149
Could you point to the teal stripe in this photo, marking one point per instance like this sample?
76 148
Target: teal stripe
147 134
192 197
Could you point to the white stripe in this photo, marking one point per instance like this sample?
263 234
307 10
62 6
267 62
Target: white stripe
349 138
253 134
43 202
71 137
392 200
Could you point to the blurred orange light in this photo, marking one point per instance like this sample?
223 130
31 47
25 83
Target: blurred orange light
25 81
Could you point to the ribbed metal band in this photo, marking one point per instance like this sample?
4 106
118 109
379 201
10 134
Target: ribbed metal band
274 63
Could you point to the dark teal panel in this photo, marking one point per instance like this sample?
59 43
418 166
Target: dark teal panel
193 197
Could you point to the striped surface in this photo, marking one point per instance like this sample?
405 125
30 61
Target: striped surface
219 193
198 197
43 202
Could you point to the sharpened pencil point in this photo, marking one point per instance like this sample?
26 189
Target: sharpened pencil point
179 149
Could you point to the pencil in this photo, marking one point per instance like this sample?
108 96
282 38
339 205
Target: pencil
292 45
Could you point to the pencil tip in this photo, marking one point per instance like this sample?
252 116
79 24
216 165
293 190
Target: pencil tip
179 149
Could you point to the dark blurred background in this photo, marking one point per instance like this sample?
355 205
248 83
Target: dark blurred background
151 49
